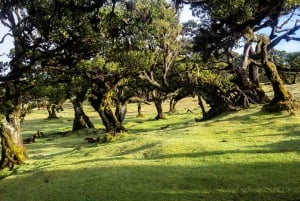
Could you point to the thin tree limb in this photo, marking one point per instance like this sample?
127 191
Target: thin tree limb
3 38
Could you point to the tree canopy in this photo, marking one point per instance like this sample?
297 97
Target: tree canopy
220 30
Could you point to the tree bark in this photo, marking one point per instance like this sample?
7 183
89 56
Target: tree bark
13 150
280 91
103 105
248 83
173 103
158 98
217 99
51 108
140 114
249 87
158 105
254 75
200 103
282 99
81 120
121 110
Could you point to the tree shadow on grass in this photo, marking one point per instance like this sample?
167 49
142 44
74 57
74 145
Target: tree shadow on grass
164 125
47 126
293 129
254 117
284 146
272 148
240 182
137 149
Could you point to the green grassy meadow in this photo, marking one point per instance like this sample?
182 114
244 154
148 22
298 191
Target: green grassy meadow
239 156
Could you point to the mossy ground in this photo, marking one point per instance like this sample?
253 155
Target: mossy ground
243 155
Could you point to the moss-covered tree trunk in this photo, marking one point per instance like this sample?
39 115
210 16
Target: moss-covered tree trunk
113 125
13 151
51 108
181 94
282 99
280 91
77 97
249 86
200 103
81 120
158 99
173 103
121 110
159 109
103 105
248 83
216 98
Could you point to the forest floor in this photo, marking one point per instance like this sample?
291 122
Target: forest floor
238 156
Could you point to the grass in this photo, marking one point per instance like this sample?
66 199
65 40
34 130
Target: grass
239 156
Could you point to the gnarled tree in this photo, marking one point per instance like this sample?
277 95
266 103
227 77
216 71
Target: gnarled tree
220 31
38 31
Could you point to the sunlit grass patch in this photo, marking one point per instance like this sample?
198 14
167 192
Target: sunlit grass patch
243 155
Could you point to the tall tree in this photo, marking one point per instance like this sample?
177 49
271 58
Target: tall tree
163 45
13 151
106 76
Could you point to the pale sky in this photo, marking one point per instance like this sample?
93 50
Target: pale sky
7 45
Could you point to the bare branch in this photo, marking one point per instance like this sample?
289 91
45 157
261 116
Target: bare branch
144 76
294 38
6 24
285 36
3 38
286 21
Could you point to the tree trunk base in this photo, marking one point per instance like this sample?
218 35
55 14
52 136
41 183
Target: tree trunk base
13 152
289 105
214 112
158 117
140 115
52 117
108 137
